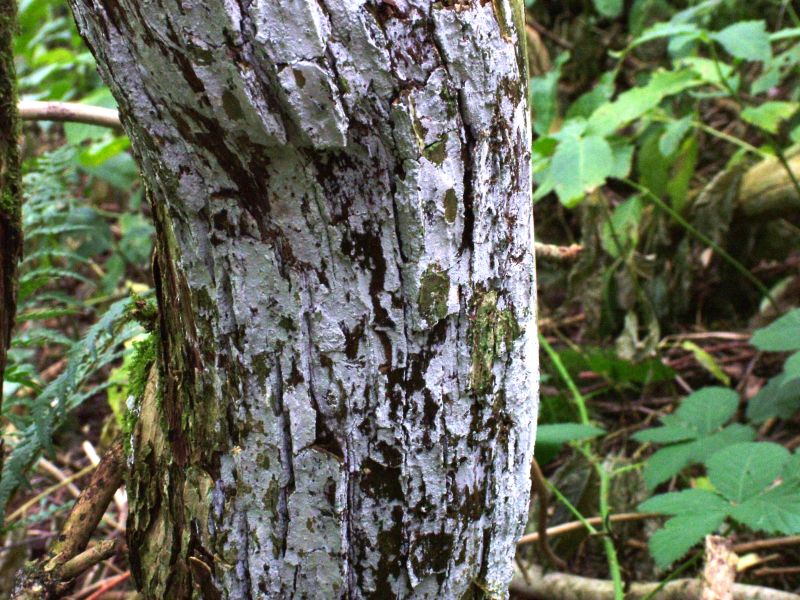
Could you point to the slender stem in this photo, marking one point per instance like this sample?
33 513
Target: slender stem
580 402
565 501
608 542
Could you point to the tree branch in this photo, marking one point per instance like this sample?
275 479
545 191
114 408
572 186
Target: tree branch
34 110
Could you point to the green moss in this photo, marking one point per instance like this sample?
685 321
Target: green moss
433 291
450 205
139 365
493 332
437 151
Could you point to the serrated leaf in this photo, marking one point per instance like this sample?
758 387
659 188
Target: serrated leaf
747 40
779 398
669 461
742 471
561 433
708 408
782 335
666 463
686 502
679 535
769 115
775 511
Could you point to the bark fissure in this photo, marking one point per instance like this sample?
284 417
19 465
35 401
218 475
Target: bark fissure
339 186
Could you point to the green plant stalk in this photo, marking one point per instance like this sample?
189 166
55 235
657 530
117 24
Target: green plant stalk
608 542
739 267
571 508
580 402
603 475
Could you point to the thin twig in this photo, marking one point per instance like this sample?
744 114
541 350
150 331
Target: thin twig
34 110
557 530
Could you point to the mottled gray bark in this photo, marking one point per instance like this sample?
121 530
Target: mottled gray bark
341 192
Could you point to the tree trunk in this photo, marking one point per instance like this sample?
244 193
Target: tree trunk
10 190
341 193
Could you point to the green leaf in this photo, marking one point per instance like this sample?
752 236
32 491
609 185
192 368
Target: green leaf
708 409
706 361
770 115
775 511
634 103
674 132
664 30
779 398
669 461
686 502
580 165
747 40
609 8
742 471
542 92
782 335
620 233
561 433
681 533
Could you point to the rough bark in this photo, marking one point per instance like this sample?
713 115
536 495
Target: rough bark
10 191
341 191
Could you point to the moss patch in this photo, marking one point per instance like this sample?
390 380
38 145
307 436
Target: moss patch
493 332
433 291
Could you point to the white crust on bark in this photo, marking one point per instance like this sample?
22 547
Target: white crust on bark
347 186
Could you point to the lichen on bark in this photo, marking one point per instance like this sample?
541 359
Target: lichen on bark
337 187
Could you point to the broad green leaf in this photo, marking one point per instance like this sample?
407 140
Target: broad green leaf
592 100
681 533
686 502
775 511
608 8
770 115
623 158
561 433
742 471
580 165
748 40
782 335
636 102
669 461
542 92
674 132
779 398
717 73
708 408
791 367
682 172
